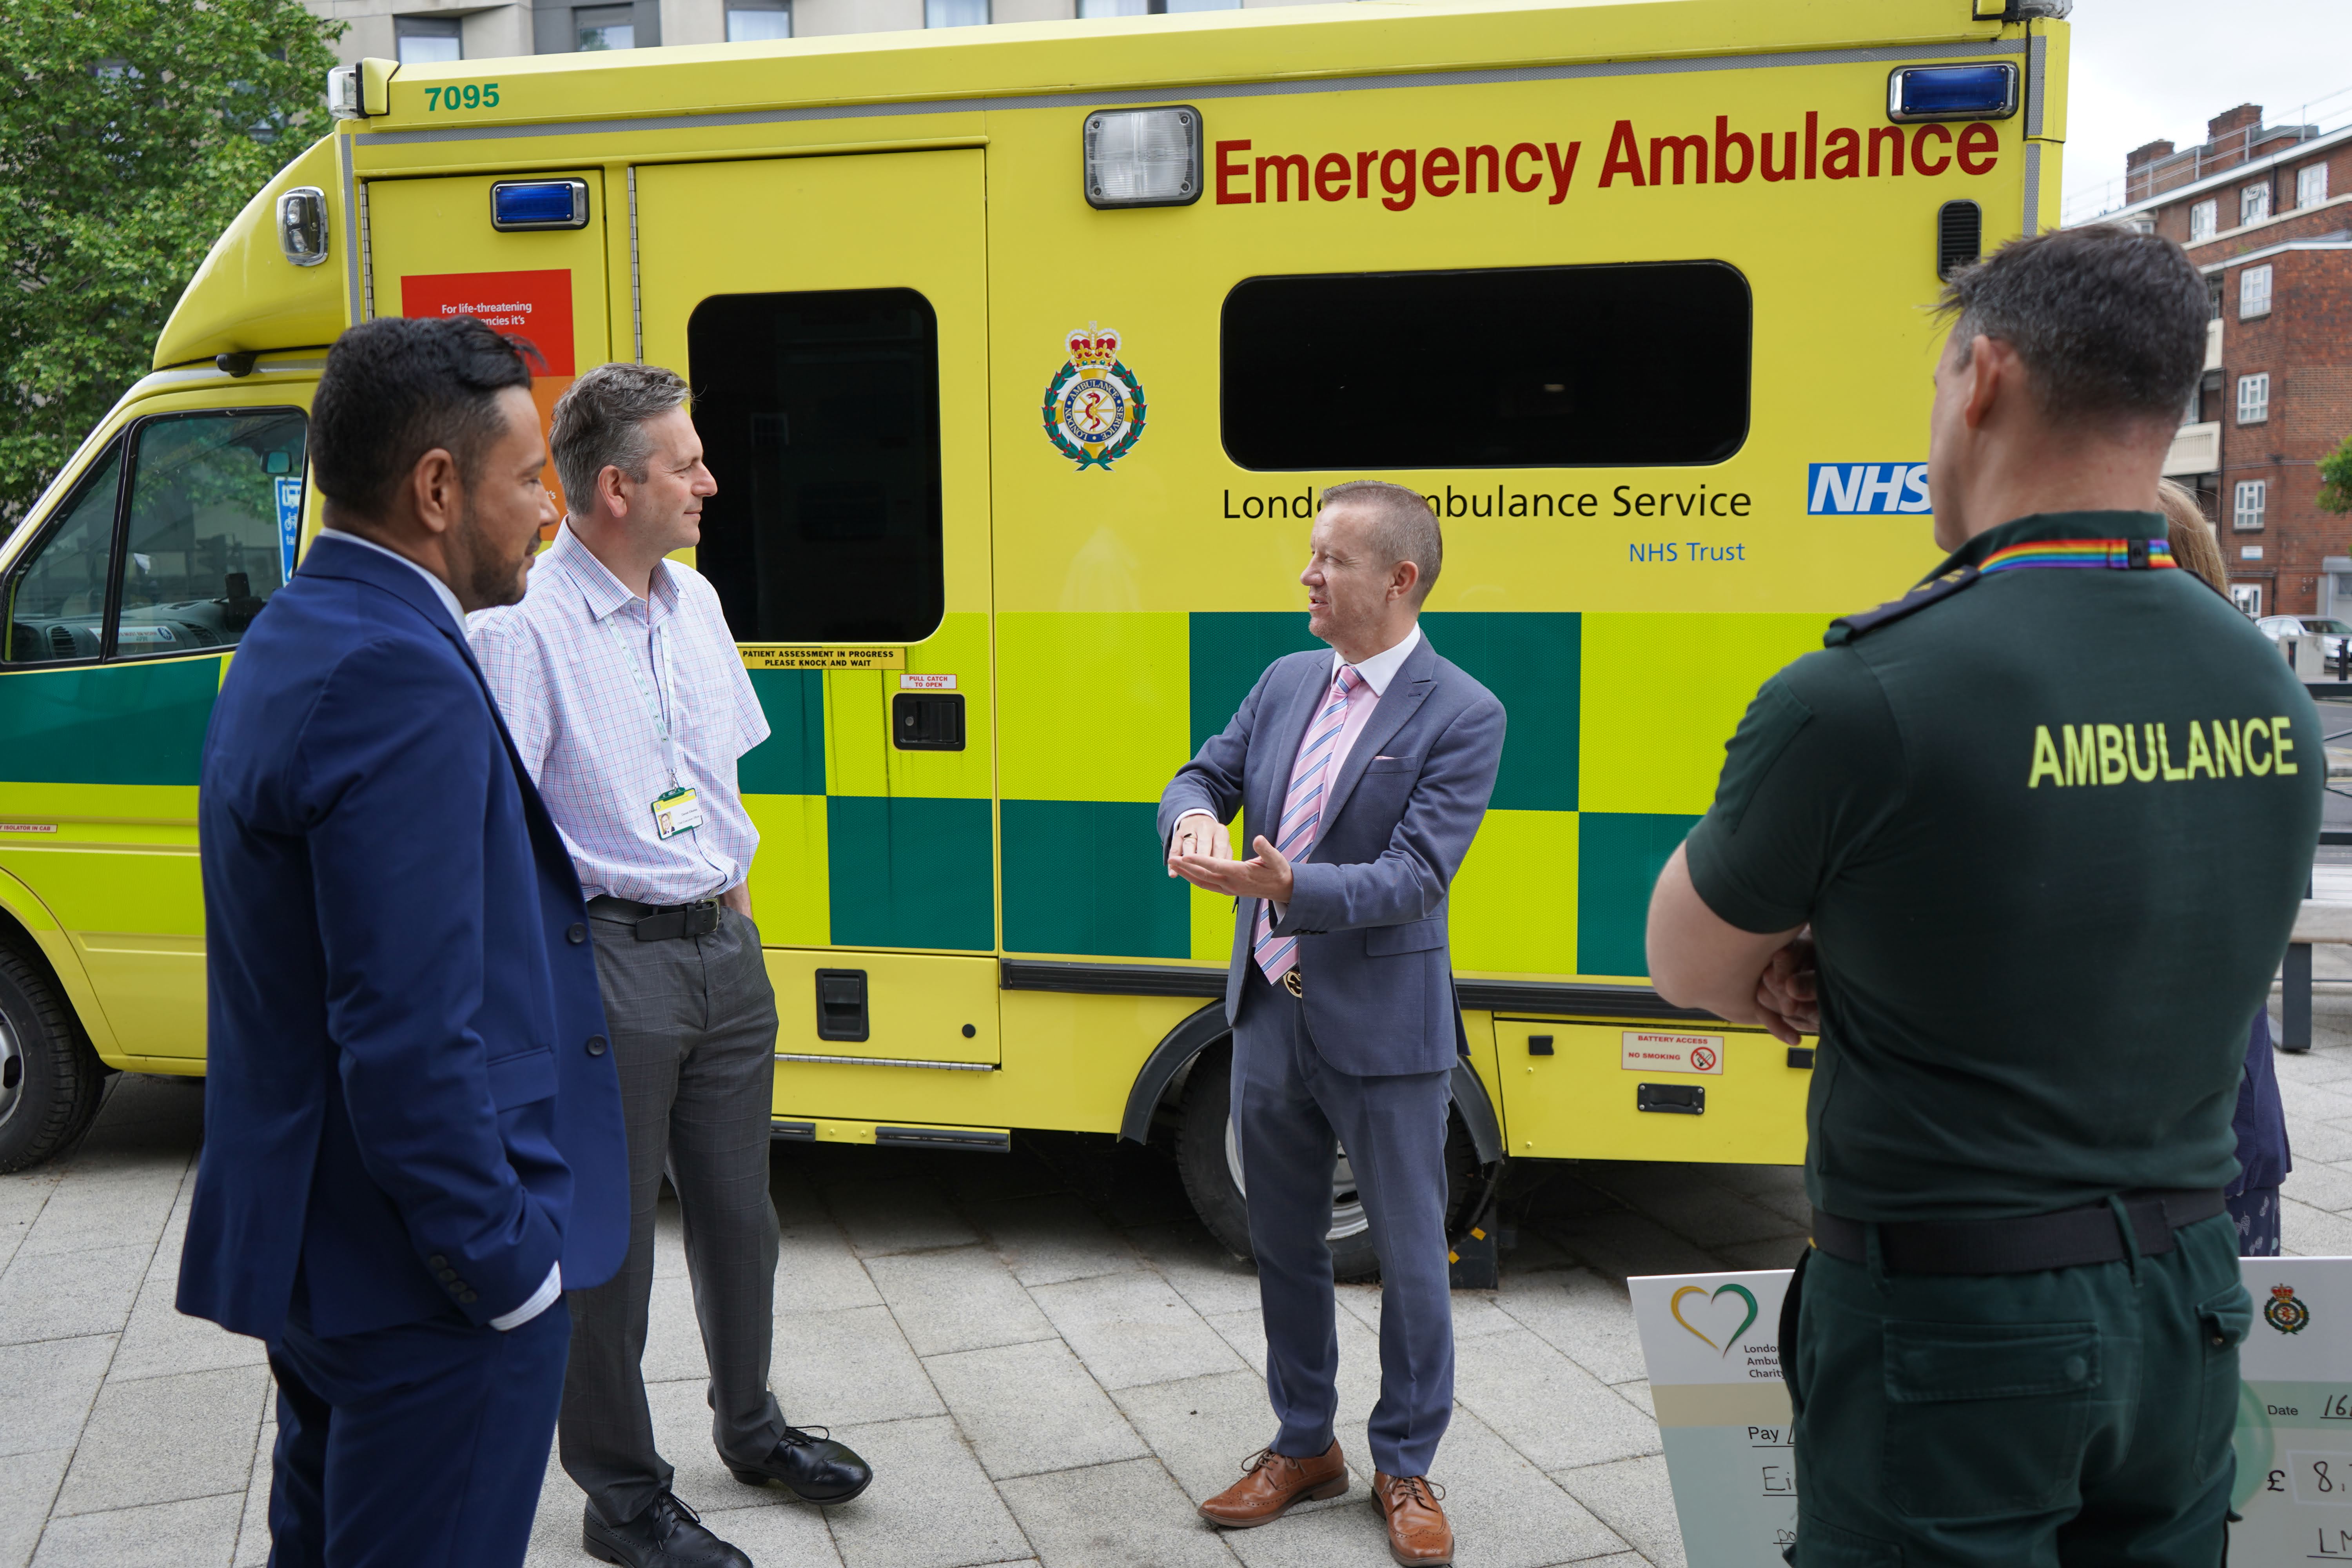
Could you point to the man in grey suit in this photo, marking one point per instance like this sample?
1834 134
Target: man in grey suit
1361 775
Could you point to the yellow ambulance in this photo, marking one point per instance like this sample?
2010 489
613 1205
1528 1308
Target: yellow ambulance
1022 355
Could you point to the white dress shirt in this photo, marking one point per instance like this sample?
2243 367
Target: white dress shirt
588 676
1376 672
552 1285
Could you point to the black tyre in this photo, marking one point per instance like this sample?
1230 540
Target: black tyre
1210 1161
50 1080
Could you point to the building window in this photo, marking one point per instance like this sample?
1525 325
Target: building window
428 40
2254 292
2201 221
2255 203
1611 367
2248 597
1090 9
2246 513
758 21
2311 186
2254 398
955 13
605 26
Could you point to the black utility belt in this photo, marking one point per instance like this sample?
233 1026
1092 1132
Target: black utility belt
2066 1239
658 922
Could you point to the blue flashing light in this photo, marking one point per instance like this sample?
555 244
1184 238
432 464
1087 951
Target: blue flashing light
539 204
1952 92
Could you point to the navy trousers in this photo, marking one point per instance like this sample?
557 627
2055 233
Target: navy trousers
421 1443
1292 1112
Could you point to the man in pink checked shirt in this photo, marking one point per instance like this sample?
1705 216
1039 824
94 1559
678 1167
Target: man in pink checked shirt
1361 775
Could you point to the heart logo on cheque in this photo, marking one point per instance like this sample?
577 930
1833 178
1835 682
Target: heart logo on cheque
1707 1306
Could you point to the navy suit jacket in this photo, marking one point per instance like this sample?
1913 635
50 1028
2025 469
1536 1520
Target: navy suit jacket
409 1103
1369 898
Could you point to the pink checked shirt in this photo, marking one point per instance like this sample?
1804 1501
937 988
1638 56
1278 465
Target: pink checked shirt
563 681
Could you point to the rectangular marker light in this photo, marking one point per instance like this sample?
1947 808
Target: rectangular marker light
539 204
1952 92
1143 157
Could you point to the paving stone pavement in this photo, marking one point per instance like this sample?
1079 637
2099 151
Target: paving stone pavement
1047 1357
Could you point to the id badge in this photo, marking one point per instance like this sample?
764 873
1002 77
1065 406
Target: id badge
677 811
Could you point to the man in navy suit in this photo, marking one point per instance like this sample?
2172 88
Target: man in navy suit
413 1128
1361 775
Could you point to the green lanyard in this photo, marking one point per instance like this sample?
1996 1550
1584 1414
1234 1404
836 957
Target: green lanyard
657 703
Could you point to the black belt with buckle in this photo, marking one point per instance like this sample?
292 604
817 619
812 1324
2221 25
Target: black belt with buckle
2066 1239
1294 982
658 922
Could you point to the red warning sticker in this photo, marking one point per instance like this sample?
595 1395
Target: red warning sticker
533 305
1650 1052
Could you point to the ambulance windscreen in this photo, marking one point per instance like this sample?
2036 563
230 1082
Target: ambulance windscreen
1516 368
819 415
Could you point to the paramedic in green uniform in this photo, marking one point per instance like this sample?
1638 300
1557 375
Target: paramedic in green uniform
1998 803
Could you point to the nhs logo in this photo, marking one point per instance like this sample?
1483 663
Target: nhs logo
1844 489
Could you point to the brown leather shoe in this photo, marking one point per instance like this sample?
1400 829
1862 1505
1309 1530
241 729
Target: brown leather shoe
1419 1536
1272 1482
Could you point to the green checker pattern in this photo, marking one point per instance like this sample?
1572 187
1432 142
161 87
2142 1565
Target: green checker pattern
1087 877
131 723
1083 878
791 761
910 871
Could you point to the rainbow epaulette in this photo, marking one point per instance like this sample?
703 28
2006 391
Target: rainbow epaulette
2108 555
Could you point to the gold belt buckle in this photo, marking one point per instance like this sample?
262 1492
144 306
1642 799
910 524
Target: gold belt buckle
1293 983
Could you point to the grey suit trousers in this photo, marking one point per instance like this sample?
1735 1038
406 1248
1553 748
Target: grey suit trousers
694 1035
1290 1108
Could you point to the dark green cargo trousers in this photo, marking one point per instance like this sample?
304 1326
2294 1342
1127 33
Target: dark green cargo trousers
2078 1417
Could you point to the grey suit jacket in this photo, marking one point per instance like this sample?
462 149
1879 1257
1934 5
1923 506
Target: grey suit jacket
1368 907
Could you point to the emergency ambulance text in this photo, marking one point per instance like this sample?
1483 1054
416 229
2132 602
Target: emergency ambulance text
1401 175
2110 753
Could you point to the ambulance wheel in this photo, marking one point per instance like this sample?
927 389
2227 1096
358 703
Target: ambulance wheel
1208 1155
50 1080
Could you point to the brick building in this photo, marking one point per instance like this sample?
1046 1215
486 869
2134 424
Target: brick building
2267 211
436 30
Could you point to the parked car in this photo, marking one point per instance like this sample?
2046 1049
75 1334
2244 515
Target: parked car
2334 634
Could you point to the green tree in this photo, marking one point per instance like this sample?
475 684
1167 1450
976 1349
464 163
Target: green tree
2336 479
130 133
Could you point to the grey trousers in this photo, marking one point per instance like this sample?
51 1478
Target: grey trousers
1290 1108
693 1021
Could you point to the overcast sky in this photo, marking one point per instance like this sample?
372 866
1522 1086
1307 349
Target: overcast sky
2146 70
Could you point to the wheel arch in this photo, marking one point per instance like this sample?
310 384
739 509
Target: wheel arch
1206 1028
28 928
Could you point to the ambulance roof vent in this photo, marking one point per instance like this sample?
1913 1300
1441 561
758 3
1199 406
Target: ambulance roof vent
1952 92
539 204
1143 157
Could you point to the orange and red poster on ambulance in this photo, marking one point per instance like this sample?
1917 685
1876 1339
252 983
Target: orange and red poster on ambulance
533 306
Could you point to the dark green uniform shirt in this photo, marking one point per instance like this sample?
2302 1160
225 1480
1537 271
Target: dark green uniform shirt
2051 829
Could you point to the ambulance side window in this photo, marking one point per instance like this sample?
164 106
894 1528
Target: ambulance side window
57 598
1513 367
819 415
216 507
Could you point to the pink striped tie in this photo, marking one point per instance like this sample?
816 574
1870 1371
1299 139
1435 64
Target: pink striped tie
1302 809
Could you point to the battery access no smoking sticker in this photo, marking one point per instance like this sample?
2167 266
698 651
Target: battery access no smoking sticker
1646 1051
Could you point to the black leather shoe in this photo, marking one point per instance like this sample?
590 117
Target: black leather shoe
812 1469
667 1535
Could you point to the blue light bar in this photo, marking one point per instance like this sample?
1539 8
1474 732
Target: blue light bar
539 204
1952 92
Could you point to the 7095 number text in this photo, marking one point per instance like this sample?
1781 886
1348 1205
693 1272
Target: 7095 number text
473 95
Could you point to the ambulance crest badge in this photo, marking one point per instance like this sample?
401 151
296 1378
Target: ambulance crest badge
2284 1313
1094 405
